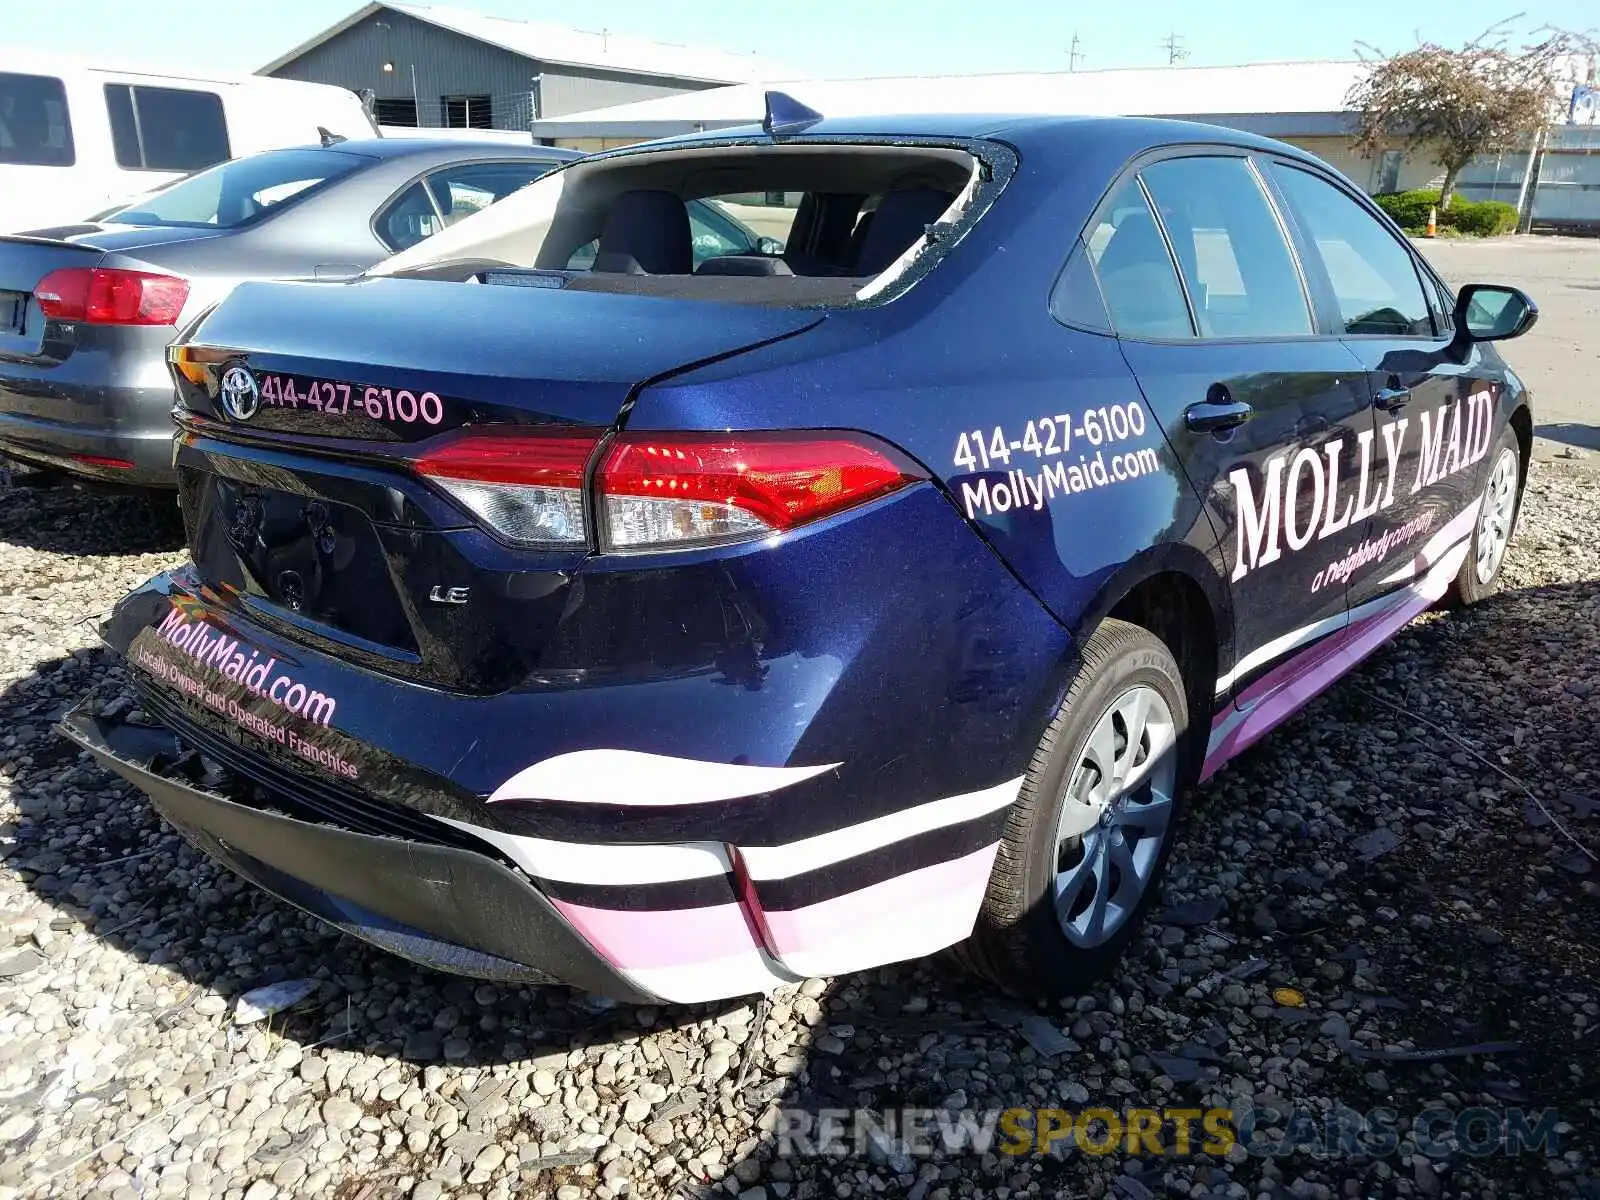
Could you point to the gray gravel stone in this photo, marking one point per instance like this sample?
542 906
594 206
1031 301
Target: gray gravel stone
422 1085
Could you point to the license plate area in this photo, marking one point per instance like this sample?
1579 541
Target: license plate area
312 561
13 312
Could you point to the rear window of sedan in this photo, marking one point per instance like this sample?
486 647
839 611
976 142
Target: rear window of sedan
830 223
236 193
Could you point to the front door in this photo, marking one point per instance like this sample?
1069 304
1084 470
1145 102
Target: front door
1436 421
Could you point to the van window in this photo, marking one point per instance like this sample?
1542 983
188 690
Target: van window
238 192
166 129
35 130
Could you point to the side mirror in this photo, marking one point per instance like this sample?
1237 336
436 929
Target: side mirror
769 246
1489 312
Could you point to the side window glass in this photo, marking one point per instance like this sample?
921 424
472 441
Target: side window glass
1240 275
166 129
1076 300
124 128
1137 279
181 130
35 129
409 218
469 188
1372 275
712 237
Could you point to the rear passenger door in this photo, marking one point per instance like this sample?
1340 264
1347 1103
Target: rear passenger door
1436 420
1266 410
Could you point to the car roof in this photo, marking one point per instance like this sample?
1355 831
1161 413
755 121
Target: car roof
1023 130
407 147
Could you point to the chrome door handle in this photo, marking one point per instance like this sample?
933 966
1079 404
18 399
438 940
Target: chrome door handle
1392 399
1214 416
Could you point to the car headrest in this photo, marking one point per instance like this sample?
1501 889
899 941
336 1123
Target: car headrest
748 265
650 228
1135 243
899 220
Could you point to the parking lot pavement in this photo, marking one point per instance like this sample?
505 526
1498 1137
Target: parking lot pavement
1412 856
1560 359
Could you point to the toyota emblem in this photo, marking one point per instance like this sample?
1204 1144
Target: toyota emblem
241 398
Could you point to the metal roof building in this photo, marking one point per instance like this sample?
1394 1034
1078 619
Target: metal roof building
1300 102
433 66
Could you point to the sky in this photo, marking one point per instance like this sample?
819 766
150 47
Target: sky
825 37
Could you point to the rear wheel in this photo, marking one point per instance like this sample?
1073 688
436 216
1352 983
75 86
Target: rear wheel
1087 842
1497 519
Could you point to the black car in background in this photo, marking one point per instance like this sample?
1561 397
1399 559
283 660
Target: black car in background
87 309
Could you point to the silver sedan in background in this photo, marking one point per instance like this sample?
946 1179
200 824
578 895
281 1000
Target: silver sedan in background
87 310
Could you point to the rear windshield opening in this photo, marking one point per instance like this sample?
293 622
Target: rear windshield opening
800 225
238 192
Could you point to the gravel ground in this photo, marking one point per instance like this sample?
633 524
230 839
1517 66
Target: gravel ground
1369 857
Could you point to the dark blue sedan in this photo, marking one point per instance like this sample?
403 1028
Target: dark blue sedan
566 608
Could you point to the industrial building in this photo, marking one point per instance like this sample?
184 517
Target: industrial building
443 67
1298 102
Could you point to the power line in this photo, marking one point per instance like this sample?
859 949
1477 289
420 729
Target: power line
1173 45
1074 55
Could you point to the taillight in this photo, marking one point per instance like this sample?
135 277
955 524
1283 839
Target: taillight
660 490
526 485
110 296
676 489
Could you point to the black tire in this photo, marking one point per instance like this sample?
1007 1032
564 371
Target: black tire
1470 585
1017 941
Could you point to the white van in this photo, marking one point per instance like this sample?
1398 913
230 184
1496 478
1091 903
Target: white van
76 137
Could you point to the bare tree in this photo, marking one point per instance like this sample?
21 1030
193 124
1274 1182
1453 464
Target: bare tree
1488 96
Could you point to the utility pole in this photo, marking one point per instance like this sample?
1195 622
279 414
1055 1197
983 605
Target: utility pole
1174 48
1074 55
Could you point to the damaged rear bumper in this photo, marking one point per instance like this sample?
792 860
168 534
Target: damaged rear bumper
441 906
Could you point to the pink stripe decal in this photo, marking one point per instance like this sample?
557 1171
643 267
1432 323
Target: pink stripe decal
1303 678
894 903
1290 669
631 940
904 917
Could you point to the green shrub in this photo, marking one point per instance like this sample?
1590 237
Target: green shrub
1482 218
1409 209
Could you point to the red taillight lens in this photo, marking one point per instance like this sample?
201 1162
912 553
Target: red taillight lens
526 485
108 296
675 489
665 490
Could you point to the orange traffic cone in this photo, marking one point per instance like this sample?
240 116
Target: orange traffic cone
1433 221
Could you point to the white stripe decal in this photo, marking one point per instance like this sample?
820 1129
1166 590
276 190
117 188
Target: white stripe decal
1280 646
796 858
622 864
581 862
1436 547
634 778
